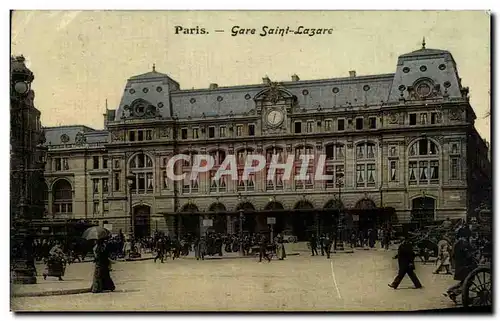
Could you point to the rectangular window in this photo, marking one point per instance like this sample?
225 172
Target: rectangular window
339 152
393 171
373 122
370 174
117 181
360 175
423 119
222 131
105 207
65 164
104 185
95 186
196 134
165 180
211 132
149 182
454 172
435 118
434 172
309 128
413 119
328 125
359 123
251 130
140 135
131 136
413 172
339 175
58 164
96 208
298 127
149 134
96 162
340 124
104 162
142 181
423 174
184 133
329 172
239 130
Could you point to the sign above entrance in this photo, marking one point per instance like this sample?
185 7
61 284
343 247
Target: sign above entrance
208 223
271 220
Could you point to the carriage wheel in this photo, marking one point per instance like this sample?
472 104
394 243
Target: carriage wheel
477 288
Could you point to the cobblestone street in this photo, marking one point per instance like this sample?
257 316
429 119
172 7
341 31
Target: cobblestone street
355 281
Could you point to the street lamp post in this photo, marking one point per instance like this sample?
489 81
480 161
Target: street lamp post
23 265
130 182
240 211
340 224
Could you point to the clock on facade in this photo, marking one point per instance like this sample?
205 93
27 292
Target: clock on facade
275 117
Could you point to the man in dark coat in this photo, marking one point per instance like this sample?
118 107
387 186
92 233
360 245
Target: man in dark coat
160 249
327 245
463 254
314 245
263 249
322 240
406 262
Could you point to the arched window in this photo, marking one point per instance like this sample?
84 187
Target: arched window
247 184
189 185
365 164
141 166
308 182
335 164
63 197
217 185
423 163
275 182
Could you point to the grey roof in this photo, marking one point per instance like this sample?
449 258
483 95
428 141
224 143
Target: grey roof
57 135
149 75
310 95
425 52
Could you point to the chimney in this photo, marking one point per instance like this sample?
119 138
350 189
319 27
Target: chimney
295 77
266 80
213 86
352 73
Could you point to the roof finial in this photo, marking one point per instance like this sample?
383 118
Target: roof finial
423 43
154 67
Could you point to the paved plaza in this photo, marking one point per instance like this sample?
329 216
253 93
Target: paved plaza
347 282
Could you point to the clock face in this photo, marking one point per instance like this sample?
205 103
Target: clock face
275 117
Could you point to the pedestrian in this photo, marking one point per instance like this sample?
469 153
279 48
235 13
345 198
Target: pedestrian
314 245
201 248
443 258
280 247
55 263
102 278
263 249
406 262
160 249
464 264
322 244
328 245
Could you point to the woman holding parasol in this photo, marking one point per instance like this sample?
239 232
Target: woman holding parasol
102 279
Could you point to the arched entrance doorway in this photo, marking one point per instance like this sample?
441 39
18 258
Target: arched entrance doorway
248 218
219 217
423 210
365 214
190 220
142 221
303 220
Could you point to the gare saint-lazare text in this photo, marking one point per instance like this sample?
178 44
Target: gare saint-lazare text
263 31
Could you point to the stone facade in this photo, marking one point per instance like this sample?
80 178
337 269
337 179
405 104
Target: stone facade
399 140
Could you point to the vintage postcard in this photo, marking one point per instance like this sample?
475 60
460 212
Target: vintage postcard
276 161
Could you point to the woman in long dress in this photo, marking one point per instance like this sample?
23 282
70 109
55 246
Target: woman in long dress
56 263
102 279
280 247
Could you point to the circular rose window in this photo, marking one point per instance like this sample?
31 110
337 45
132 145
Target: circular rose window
424 90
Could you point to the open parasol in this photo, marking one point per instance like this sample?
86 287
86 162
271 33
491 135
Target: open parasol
96 233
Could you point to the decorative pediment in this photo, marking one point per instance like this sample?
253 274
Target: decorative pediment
274 93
